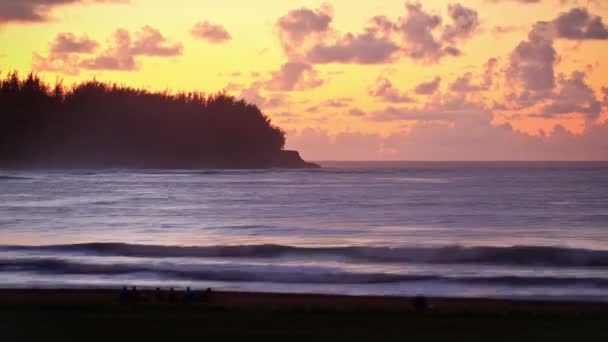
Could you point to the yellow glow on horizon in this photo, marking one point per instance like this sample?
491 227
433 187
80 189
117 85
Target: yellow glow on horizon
256 49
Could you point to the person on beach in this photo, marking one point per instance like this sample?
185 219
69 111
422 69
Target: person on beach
189 296
158 294
420 303
134 294
124 294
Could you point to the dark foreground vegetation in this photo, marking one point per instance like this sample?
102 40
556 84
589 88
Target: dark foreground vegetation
41 315
94 124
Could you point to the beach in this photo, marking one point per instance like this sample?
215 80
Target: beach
101 315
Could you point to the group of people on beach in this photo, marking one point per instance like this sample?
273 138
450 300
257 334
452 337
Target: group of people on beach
133 295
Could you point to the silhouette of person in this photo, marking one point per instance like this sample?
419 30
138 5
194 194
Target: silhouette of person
420 303
172 296
189 296
124 294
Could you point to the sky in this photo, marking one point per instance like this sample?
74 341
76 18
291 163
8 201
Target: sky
350 80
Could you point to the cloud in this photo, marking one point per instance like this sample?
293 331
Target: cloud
465 23
150 42
32 11
460 141
363 48
449 109
579 24
117 56
307 35
214 34
316 144
356 112
505 29
252 94
301 24
533 60
294 76
64 52
574 96
337 103
531 69
428 88
418 29
69 54
384 89
70 43
490 73
520 1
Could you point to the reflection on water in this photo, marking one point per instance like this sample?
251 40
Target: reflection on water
400 205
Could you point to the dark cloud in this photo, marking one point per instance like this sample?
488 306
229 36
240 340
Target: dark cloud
252 94
426 39
579 24
490 73
467 83
361 49
36 10
574 96
417 28
532 62
150 42
428 88
531 70
118 56
464 84
356 112
69 54
212 33
300 24
465 22
307 35
452 109
294 76
70 43
384 89
64 54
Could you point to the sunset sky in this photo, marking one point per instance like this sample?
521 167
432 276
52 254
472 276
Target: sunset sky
350 80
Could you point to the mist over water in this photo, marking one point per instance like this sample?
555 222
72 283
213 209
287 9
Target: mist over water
514 230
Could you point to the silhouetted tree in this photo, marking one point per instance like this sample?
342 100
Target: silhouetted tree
95 124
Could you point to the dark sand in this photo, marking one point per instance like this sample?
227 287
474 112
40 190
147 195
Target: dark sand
99 315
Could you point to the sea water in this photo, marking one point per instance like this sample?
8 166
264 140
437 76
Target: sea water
505 230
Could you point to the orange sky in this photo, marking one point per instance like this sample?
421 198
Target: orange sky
485 79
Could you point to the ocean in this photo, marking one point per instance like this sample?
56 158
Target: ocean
450 229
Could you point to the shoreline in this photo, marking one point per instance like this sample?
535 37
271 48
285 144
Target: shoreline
286 299
101 315
297 300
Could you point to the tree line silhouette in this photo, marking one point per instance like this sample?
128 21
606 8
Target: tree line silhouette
94 124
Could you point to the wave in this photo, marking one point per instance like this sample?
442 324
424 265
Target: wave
515 255
9 178
289 275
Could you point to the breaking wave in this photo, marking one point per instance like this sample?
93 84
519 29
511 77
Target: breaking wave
515 255
287 275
